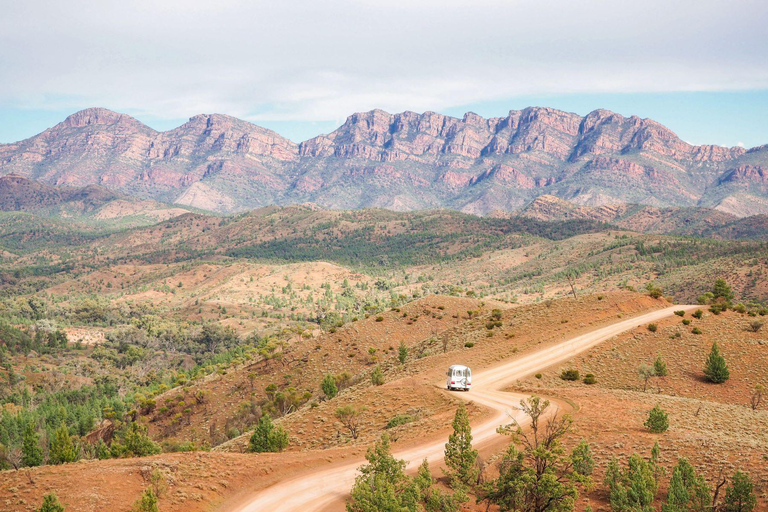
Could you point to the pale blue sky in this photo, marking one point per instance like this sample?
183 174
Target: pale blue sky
300 67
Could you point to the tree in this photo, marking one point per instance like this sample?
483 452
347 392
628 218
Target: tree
377 376
542 477
721 290
715 368
688 492
633 489
459 456
402 353
349 416
31 453
329 387
660 367
658 420
740 494
382 484
267 437
63 450
147 502
50 504
137 443
646 372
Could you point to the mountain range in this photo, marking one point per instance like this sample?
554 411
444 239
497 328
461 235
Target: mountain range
405 161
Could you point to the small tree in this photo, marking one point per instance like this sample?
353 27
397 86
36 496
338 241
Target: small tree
459 456
377 376
147 502
350 416
382 484
31 453
267 437
715 368
543 477
657 421
50 504
646 372
63 450
722 291
633 489
688 492
660 367
329 387
740 494
137 443
402 353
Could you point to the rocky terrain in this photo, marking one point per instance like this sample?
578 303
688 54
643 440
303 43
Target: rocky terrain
402 161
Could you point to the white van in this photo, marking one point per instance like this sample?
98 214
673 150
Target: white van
459 377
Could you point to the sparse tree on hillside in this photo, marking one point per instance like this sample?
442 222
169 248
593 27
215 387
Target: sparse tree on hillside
402 353
382 484
633 489
658 420
740 494
62 450
660 367
715 368
646 372
147 502
688 492
50 504
459 456
268 437
541 478
721 291
31 453
350 416
330 390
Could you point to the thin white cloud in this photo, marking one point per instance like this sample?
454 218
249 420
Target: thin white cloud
309 60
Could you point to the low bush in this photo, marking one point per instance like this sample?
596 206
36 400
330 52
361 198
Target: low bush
658 420
400 419
653 327
697 314
589 379
680 313
686 321
695 330
469 344
570 374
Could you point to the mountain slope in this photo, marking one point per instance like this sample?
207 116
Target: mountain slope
402 161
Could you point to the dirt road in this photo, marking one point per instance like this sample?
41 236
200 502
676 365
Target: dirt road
326 489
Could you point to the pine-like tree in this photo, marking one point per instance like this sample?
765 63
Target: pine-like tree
62 450
50 504
633 489
267 437
658 420
147 502
460 458
715 368
31 453
660 367
688 492
329 387
740 494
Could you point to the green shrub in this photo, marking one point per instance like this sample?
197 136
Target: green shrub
469 344
329 387
147 502
658 420
697 314
715 367
268 437
686 321
589 379
695 330
680 313
740 308
570 374
653 327
50 504
377 376
379 318
538 376
402 353
400 419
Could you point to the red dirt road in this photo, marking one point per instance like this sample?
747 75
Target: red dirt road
326 489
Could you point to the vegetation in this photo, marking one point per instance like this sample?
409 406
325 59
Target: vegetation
715 367
147 502
660 367
634 487
268 437
460 457
329 387
687 490
50 504
570 374
350 416
658 420
740 494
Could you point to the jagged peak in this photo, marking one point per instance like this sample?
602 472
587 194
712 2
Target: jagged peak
96 116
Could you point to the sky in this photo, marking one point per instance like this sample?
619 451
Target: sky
301 67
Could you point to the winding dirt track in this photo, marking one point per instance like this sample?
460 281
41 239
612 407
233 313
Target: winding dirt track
317 491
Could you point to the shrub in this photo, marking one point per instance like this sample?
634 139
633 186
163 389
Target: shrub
660 367
654 291
62 450
740 308
740 494
50 504
686 321
349 416
469 344
653 327
680 313
697 314
379 318
755 325
715 367
147 502
328 385
658 420
538 375
267 437
589 379
570 374
137 443
377 376
695 330
716 309
402 353
400 419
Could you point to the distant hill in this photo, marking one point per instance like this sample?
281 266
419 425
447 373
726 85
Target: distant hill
405 161
91 203
693 221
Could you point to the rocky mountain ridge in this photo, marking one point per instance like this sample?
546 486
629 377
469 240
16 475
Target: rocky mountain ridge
402 161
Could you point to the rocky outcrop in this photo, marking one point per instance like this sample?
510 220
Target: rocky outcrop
405 160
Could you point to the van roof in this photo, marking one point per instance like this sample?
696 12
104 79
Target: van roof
454 366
